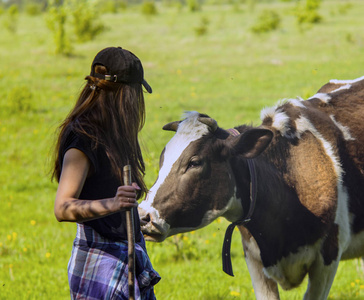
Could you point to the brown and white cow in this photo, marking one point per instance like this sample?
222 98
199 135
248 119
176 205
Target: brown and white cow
309 207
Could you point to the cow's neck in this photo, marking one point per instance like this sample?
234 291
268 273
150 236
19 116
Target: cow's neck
262 213
270 188
253 185
243 220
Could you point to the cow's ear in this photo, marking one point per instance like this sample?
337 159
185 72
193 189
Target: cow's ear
173 126
252 142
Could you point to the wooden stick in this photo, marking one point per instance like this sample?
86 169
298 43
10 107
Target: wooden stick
131 238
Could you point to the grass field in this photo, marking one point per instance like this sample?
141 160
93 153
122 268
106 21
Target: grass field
229 73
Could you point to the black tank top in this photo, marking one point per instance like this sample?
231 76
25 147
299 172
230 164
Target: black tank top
100 185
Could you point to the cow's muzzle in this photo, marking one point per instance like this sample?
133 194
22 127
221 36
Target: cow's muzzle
153 227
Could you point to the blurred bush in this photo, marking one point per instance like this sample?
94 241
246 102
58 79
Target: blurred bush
112 6
193 5
202 28
82 15
308 12
85 19
268 20
56 18
19 100
10 20
33 9
148 8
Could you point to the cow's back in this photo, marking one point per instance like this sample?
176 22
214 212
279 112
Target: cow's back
325 160
344 103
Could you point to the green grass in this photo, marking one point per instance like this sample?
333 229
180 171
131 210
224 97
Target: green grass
228 73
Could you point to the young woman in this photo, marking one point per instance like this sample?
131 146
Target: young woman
99 137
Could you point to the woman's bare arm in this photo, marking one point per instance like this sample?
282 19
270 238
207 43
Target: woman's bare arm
68 207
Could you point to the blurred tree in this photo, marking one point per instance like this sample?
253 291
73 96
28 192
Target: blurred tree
149 8
33 9
56 18
268 20
308 12
203 27
10 21
83 15
193 5
23 3
84 19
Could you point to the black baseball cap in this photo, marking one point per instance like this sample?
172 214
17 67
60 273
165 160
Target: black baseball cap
122 66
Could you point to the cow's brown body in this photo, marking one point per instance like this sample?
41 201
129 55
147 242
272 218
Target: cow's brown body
309 212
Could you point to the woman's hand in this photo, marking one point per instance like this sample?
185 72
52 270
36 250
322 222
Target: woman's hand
125 197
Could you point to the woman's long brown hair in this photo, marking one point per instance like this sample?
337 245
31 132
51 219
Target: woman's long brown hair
111 115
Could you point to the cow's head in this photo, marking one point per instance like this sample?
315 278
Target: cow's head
196 183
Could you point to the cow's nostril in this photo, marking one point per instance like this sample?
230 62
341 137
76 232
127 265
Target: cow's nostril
145 219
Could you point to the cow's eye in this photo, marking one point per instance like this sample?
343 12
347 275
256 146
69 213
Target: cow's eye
194 162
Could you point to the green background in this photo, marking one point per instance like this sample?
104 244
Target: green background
228 72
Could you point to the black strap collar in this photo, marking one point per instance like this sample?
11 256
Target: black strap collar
226 257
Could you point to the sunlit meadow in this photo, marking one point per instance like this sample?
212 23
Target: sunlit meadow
227 72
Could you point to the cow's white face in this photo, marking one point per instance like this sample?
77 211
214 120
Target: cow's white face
195 183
